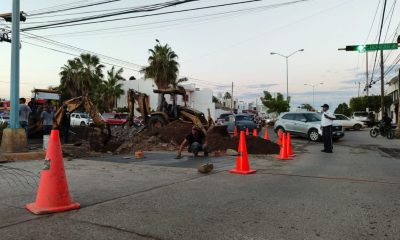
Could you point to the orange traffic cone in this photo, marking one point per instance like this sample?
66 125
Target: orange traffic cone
289 146
255 133
266 137
242 161
280 133
283 152
235 133
247 132
53 195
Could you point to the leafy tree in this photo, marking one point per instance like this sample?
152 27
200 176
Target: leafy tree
215 99
227 95
344 109
163 66
307 107
372 102
277 104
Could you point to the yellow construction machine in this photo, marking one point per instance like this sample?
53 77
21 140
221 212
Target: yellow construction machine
166 112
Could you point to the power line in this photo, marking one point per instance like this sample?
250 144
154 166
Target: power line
379 39
77 21
73 23
74 7
200 17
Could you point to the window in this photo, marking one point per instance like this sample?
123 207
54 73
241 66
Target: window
340 117
289 116
300 118
313 117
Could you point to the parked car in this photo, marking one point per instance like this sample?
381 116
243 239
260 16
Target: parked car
114 118
348 123
4 119
80 119
305 124
361 116
224 117
241 122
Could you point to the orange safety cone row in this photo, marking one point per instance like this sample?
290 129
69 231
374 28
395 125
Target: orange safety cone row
53 194
289 146
242 161
283 154
247 132
235 132
255 133
280 134
266 137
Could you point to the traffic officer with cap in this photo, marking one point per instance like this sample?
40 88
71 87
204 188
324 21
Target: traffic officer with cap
326 124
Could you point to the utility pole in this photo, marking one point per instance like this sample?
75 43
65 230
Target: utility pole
359 85
398 106
232 98
14 138
382 85
366 72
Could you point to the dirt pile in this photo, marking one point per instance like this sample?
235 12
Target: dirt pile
126 140
255 145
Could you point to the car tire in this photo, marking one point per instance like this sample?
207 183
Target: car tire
82 124
156 122
313 135
357 127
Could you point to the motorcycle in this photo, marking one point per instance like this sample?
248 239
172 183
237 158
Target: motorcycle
382 130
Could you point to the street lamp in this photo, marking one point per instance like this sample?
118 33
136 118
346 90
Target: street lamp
287 68
313 91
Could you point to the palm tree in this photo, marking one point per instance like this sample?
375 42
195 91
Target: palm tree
176 82
112 88
163 66
227 96
81 75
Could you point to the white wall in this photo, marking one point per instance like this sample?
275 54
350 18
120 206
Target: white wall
145 86
201 100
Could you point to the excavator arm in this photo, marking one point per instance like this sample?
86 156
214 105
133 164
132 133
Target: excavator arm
143 103
75 103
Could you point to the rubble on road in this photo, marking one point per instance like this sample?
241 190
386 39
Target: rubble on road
126 140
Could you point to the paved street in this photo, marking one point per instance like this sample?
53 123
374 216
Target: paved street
351 194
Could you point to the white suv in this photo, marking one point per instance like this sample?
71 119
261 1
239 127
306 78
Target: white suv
80 119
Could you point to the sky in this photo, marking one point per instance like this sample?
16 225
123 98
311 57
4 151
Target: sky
217 49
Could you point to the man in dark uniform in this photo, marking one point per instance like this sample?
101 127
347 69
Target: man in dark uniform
65 123
197 142
326 124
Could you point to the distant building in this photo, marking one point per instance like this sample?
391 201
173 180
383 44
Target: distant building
199 99
393 91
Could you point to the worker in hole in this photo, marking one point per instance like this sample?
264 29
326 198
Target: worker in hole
196 141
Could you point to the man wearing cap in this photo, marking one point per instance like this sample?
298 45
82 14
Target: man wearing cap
197 142
326 124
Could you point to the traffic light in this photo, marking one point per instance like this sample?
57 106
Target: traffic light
358 48
8 17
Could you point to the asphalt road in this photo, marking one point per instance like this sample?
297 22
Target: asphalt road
353 193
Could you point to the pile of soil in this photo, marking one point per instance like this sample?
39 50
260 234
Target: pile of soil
126 139
255 145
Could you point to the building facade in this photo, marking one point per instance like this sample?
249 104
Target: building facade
199 99
393 91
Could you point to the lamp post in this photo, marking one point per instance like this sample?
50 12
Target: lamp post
287 68
313 91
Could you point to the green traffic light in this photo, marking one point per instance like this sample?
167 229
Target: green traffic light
361 48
